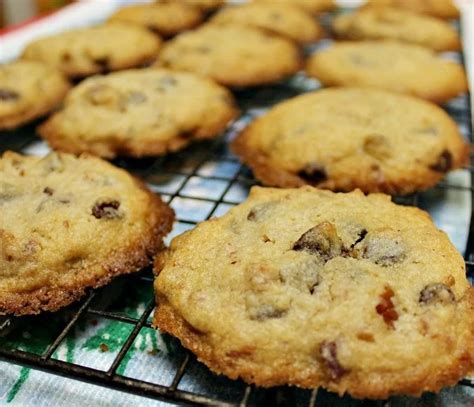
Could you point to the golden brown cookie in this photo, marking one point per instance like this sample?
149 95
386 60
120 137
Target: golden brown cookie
88 51
205 5
311 6
435 8
284 19
389 65
139 112
165 19
319 289
69 223
233 55
378 23
28 90
347 138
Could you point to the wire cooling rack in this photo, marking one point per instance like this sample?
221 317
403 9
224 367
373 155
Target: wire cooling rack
199 183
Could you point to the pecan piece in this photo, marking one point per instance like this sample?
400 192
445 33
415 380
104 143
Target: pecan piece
386 308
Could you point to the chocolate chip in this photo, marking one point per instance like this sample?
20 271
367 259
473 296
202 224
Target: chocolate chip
7 95
267 312
444 162
328 352
386 308
48 191
103 63
106 209
437 293
360 236
321 240
383 248
313 174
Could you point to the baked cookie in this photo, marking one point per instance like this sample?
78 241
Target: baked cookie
283 19
347 138
311 6
233 55
69 223
313 288
435 8
389 65
165 19
205 5
141 112
375 23
88 51
28 90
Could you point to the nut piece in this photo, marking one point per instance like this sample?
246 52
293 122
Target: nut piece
386 308
321 240
437 293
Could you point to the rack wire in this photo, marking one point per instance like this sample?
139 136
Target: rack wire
201 182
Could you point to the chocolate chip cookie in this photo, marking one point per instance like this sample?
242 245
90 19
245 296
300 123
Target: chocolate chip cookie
284 19
28 90
319 289
88 51
389 65
165 19
311 6
375 23
233 55
435 8
69 223
347 138
140 112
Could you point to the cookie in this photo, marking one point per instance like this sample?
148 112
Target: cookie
28 90
311 6
320 289
233 55
205 5
347 138
141 112
436 8
397 24
165 19
283 19
389 65
88 51
69 223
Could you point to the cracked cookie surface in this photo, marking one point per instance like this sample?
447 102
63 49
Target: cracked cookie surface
397 24
141 112
390 65
166 19
284 19
69 223
233 55
347 138
88 51
28 90
314 288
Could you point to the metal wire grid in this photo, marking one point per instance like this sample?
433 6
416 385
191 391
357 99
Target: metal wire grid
211 170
